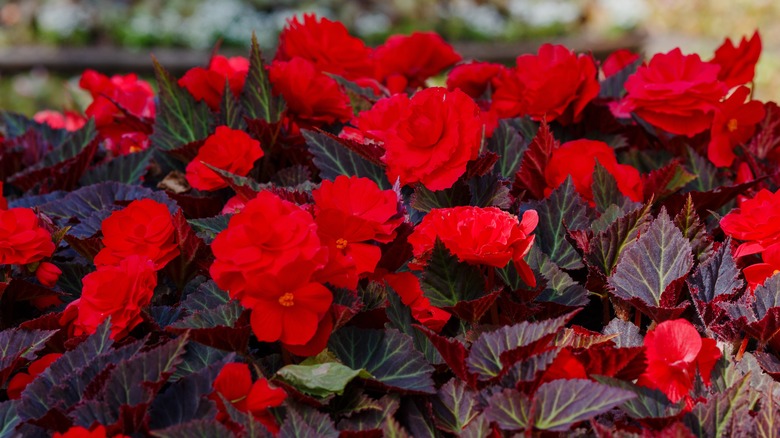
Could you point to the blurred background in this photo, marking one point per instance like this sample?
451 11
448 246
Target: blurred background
44 44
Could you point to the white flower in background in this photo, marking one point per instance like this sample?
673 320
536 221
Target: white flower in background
545 12
625 13
371 24
62 17
484 18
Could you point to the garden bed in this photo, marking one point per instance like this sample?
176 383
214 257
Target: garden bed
319 244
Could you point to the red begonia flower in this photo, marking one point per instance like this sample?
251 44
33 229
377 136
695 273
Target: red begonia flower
227 149
289 307
318 342
133 95
554 84
48 274
734 123
209 84
756 222
439 133
234 383
675 92
22 239
618 60
375 124
351 215
675 351
311 96
756 274
69 121
98 431
120 291
485 236
268 235
406 61
474 78
564 366
20 381
327 44
407 286
738 64
578 159
145 228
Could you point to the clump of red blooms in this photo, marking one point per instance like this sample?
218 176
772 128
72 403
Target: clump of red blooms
325 244
227 149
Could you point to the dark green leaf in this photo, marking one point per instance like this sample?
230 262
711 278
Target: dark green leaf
128 169
455 407
562 403
510 410
333 158
15 344
606 247
180 119
258 99
73 144
387 355
446 281
9 418
152 368
560 287
373 419
478 428
185 400
605 189
613 87
194 429
307 422
705 171
489 191
767 421
70 392
198 357
15 125
510 146
716 416
207 295
415 414
89 205
485 359
426 200
223 315
563 209
688 221
208 228
231 113
659 257
400 317
649 403
392 429
35 398
718 275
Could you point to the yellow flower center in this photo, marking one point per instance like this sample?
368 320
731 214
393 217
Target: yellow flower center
341 243
286 300
732 125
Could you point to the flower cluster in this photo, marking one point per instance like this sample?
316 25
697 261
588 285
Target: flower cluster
138 241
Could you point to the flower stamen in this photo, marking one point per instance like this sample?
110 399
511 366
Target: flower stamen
286 300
